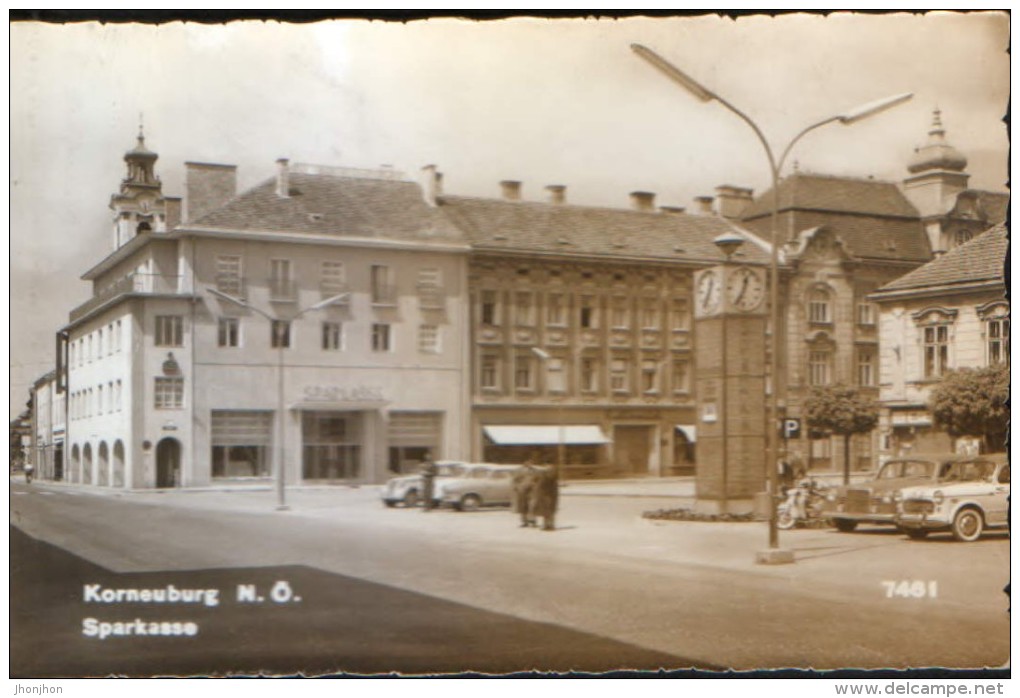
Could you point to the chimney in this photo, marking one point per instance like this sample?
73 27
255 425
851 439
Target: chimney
557 193
704 205
283 178
511 189
207 186
642 200
672 210
173 212
431 184
733 200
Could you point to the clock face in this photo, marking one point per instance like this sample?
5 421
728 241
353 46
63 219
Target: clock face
709 291
745 289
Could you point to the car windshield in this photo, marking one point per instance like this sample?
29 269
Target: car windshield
969 471
906 468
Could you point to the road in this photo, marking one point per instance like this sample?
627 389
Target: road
683 593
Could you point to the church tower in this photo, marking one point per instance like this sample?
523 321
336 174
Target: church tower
936 173
139 208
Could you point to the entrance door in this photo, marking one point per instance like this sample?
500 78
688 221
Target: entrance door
168 462
632 449
58 462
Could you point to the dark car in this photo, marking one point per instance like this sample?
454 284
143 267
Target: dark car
874 501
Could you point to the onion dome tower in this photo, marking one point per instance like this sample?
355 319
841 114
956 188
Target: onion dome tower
139 207
936 173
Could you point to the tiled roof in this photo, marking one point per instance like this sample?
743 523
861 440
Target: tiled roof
993 203
341 206
977 260
835 194
522 226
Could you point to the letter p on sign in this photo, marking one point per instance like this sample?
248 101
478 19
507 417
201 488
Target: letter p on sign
791 428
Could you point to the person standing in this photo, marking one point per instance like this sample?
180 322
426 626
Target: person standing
524 481
545 497
29 471
428 476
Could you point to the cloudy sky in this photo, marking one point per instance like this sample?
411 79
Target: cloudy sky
542 101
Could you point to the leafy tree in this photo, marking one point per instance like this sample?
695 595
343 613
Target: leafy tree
842 410
974 402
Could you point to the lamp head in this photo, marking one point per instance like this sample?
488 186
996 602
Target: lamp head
672 72
728 243
871 108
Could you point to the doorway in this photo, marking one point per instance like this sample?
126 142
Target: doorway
58 462
632 449
168 462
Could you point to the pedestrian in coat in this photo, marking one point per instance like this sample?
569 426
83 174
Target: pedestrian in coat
428 476
524 481
546 496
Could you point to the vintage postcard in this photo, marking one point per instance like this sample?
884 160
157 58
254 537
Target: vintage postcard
573 346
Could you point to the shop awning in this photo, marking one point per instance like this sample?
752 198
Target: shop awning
542 435
688 430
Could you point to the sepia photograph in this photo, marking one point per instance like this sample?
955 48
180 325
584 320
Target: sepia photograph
510 346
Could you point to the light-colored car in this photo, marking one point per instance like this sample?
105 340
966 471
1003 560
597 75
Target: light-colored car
874 501
481 486
971 497
408 489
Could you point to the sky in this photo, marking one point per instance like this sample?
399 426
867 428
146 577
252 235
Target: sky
537 100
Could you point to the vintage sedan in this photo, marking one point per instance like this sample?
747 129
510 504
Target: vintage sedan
408 489
874 501
480 486
971 497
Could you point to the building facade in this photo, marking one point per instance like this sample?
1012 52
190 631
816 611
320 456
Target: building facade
950 313
49 428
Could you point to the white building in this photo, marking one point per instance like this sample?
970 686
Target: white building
950 313
46 449
172 383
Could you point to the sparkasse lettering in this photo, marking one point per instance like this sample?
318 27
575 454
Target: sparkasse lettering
93 627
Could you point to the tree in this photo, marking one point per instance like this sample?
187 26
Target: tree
974 402
842 410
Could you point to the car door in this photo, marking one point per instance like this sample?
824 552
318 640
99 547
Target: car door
997 509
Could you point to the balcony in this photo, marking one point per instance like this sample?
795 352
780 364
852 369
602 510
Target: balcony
282 291
130 285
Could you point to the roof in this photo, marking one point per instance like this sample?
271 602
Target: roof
333 205
978 260
804 191
993 203
566 229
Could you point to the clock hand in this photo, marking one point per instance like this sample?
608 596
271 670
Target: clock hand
743 288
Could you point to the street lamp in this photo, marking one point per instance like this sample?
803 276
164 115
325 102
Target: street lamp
847 118
544 357
277 325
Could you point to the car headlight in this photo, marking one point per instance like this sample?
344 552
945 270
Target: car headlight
937 497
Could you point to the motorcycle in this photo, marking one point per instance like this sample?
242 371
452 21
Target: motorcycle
803 505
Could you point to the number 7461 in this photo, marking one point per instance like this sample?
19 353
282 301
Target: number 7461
908 589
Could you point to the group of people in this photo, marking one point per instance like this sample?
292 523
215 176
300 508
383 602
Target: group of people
536 495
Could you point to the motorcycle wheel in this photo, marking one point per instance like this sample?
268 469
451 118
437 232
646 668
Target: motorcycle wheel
785 520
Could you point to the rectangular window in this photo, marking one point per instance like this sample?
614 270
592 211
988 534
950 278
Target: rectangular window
866 370
680 315
333 280
650 314
866 314
490 308
620 312
88 354
556 375
818 308
241 443
380 337
120 396
99 400
332 336
430 288
618 369
383 289
681 376
281 284
589 374
589 317
99 344
169 331
428 339
489 378
169 393
997 332
228 275
279 334
118 336
524 308
650 376
228 334
556 310
522 372
818 367
936 350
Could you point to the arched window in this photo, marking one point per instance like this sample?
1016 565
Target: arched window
819 307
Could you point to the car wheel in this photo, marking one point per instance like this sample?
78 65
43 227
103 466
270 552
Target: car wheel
968 525
411 498
916 533
470 502
389 504
844 525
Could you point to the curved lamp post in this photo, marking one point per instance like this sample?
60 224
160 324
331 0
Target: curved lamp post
851 116
275 323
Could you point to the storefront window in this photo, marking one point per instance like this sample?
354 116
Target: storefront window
241 441
332 445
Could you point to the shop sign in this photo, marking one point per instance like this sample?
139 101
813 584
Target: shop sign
336 393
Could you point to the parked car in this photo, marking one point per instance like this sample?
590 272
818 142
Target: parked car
480 486
408 489
874 501
971 497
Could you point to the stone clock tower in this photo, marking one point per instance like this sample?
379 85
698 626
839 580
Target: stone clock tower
729 321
